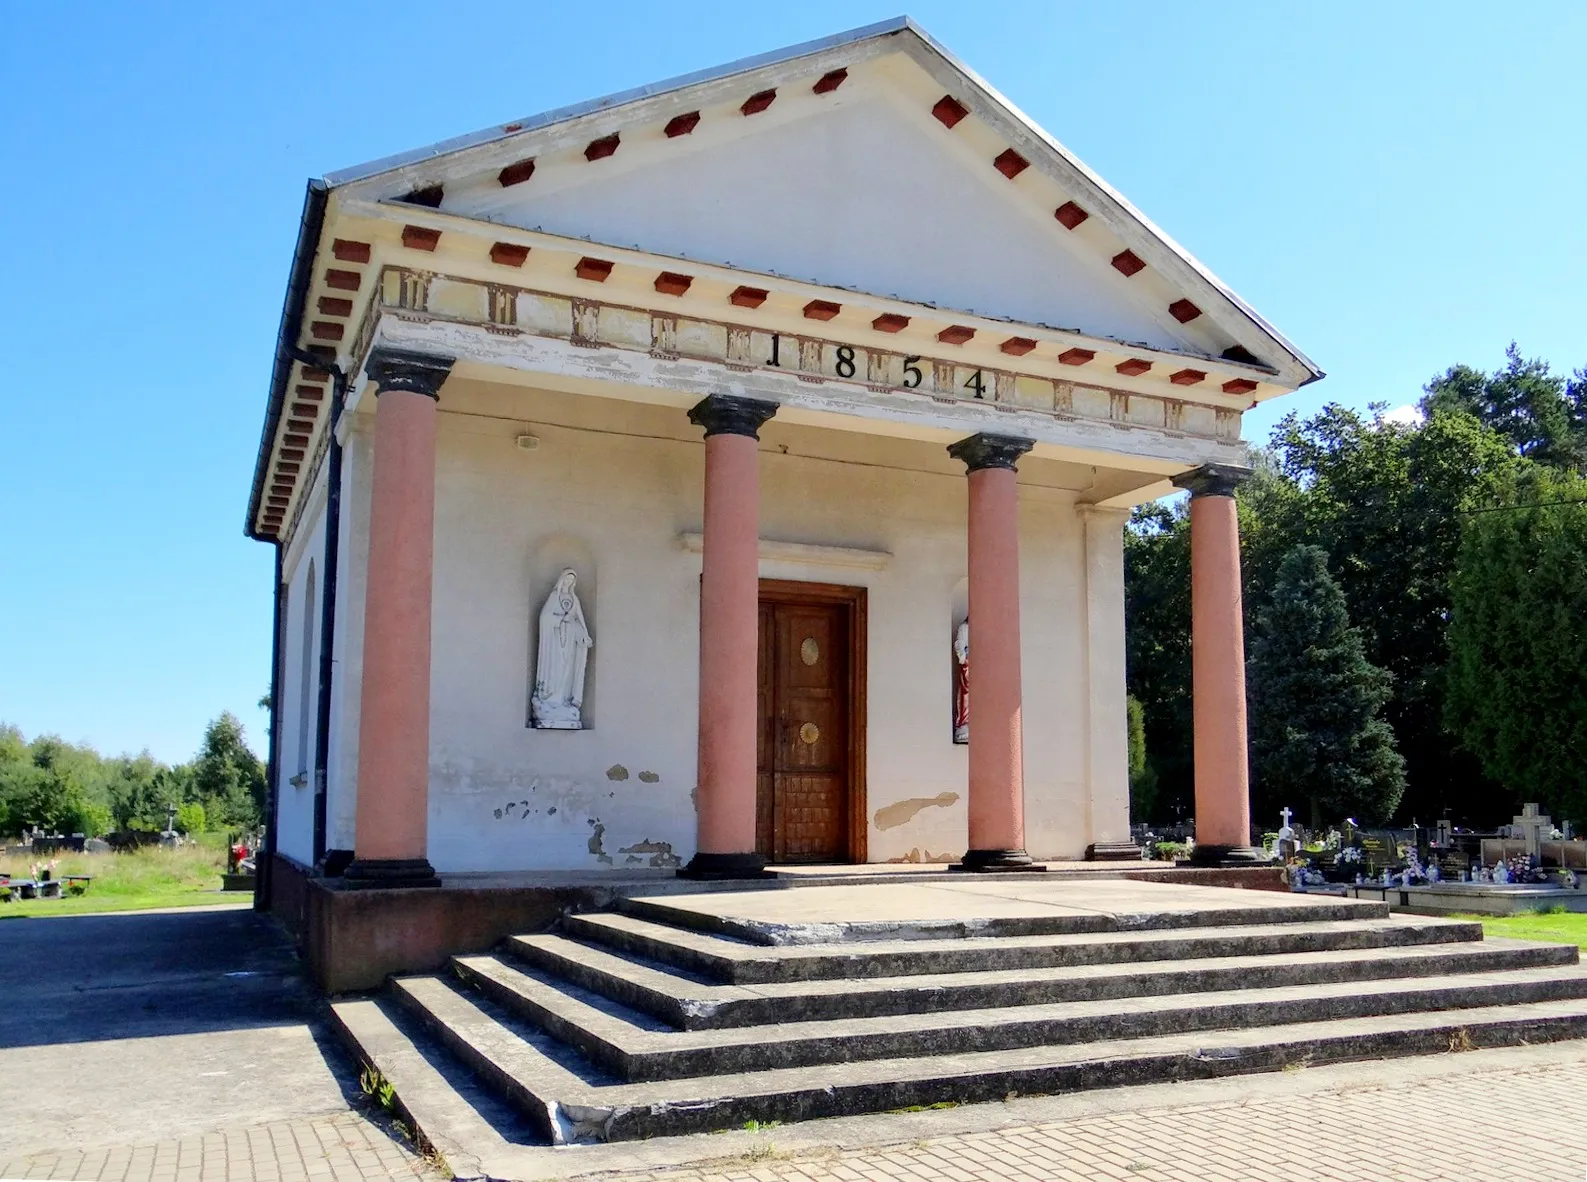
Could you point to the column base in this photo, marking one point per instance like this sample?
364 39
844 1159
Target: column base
1229 855
721 866
998 862
1113 851
389 873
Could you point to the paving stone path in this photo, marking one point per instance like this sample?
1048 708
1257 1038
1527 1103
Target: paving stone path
1498 1124
1528 1123
344 1147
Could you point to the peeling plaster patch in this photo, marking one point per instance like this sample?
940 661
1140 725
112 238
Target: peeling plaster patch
660 852
897 814
596 839
918 855
650 777
617 772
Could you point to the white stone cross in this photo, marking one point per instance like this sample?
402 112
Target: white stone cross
1286 813
1533 823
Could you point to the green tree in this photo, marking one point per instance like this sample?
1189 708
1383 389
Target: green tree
190 818
227 778
1143 780
1157 653
1315 701
139 792
1542 414
1385 500
1518 642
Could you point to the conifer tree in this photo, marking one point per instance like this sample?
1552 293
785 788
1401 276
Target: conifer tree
1315 702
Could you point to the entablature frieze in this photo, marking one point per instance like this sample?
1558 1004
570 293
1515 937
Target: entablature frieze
812 358
896 356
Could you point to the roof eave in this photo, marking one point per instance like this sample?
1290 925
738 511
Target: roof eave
546 119
310 224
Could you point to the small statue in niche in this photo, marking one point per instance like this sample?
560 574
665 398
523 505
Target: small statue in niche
565 643
961 683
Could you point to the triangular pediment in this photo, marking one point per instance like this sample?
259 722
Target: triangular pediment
857 195
838 164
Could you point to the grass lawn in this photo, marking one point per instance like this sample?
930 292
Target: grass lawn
150 877
1556 927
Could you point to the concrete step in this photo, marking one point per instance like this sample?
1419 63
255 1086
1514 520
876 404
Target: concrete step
579 1106
686 1002
1149 914
636 1046
727 959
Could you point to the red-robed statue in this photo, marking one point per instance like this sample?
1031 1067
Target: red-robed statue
961 683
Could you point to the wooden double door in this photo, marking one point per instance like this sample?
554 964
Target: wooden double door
810 791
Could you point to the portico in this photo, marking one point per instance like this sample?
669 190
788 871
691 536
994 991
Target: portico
776 423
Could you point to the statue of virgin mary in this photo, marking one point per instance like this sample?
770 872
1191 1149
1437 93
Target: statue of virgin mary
565 643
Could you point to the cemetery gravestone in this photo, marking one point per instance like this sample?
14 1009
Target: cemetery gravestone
1379 850
1531 826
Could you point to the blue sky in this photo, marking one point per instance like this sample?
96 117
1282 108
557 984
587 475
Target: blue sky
1396 186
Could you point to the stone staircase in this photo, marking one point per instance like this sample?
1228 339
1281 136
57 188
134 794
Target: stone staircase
660 1018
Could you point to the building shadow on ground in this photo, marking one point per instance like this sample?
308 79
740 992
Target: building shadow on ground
87 978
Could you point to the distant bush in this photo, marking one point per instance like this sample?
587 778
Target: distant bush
190 818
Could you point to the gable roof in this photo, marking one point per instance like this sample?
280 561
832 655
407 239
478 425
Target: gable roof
1057 227
487 151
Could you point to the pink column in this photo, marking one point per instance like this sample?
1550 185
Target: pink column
997 773
390 827
1223 789
729 642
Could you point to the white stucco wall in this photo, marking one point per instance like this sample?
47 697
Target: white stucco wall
300 649
609 489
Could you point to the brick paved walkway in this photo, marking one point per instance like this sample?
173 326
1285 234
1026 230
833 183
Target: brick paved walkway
1497 1126
345 1147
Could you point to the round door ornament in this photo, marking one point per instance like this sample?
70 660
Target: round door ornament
809 651
809 733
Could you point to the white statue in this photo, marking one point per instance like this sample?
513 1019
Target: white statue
1501 873
565 644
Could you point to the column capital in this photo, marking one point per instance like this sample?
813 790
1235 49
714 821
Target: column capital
417 373
990 451
1213 480
729 414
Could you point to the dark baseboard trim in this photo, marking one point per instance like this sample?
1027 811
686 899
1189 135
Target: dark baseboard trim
998 862
712 867
1229 855
389 874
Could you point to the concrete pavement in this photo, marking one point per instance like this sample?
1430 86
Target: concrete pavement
174 1028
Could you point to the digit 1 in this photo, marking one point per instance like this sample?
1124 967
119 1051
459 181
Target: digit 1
776 341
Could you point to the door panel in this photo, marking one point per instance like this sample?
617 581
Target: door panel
767 734
803 791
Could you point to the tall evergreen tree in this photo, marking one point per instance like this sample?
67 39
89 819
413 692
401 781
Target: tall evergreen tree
1386 500
1143 779
1518 643
1315 701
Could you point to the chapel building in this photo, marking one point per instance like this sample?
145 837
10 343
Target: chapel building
733 472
